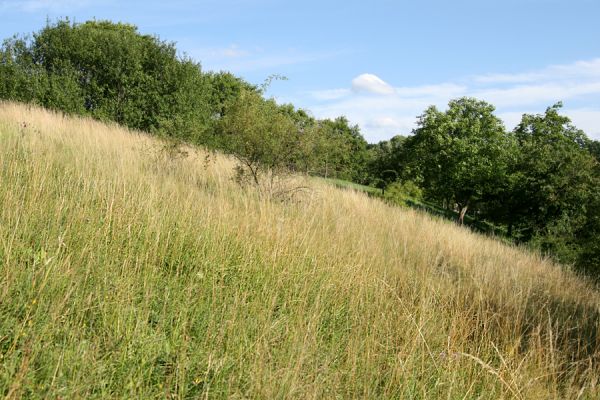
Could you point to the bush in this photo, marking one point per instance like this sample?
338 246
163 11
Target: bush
399 192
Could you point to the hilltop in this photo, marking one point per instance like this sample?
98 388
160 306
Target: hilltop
130 272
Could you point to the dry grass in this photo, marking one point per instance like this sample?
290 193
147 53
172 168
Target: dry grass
126 273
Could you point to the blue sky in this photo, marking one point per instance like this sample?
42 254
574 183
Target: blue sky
380 63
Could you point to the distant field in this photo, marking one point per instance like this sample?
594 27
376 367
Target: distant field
128 273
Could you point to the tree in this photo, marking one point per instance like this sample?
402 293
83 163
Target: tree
109 71
594 148
555 184
224 88
387 155
387 162
460 156
341 150
260 135
588 257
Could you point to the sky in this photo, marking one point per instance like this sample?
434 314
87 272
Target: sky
379 63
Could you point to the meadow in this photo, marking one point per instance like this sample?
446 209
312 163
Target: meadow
128 271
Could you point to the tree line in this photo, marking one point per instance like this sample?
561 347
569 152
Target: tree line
539 183
111 72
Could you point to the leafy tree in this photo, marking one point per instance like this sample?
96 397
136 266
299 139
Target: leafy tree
341 150
387 162
224 88
109 71
460 156
387 155
588 256
260 135
555 183
594 148
307 155
24 80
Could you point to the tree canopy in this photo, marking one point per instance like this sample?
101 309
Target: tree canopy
111 72
555 182
460 155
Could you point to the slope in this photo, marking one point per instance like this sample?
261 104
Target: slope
129 273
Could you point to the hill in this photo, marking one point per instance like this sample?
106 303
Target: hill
130 272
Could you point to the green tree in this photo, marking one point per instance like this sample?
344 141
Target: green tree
555 184
341 151
260 135
224 88
387 161
460 156
109 71
594 148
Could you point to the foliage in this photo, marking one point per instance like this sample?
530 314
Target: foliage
461 155
594 148
399 192
387 161
555 184
261 136
111 72
341 149
225 87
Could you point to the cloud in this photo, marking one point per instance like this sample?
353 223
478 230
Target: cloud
441 90
270 61
42 5
369 83
218 57
576 70
386 122
537 93
238 60
586 119
394 110
331 94
232 51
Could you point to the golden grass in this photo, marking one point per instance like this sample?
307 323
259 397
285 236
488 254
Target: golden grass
126 273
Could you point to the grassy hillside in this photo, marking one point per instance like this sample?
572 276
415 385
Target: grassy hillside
127 273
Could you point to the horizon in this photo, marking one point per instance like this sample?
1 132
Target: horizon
380 65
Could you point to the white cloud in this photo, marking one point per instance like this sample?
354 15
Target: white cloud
218 58
537 93
369 83
577 69
586 119
42 5
381 117
386 122
330 94
441 90
239 60
232 51
269 61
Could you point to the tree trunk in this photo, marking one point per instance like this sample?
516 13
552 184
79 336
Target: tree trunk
254 172
463 211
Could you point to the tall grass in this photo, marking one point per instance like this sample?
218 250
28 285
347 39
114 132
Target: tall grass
127 273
